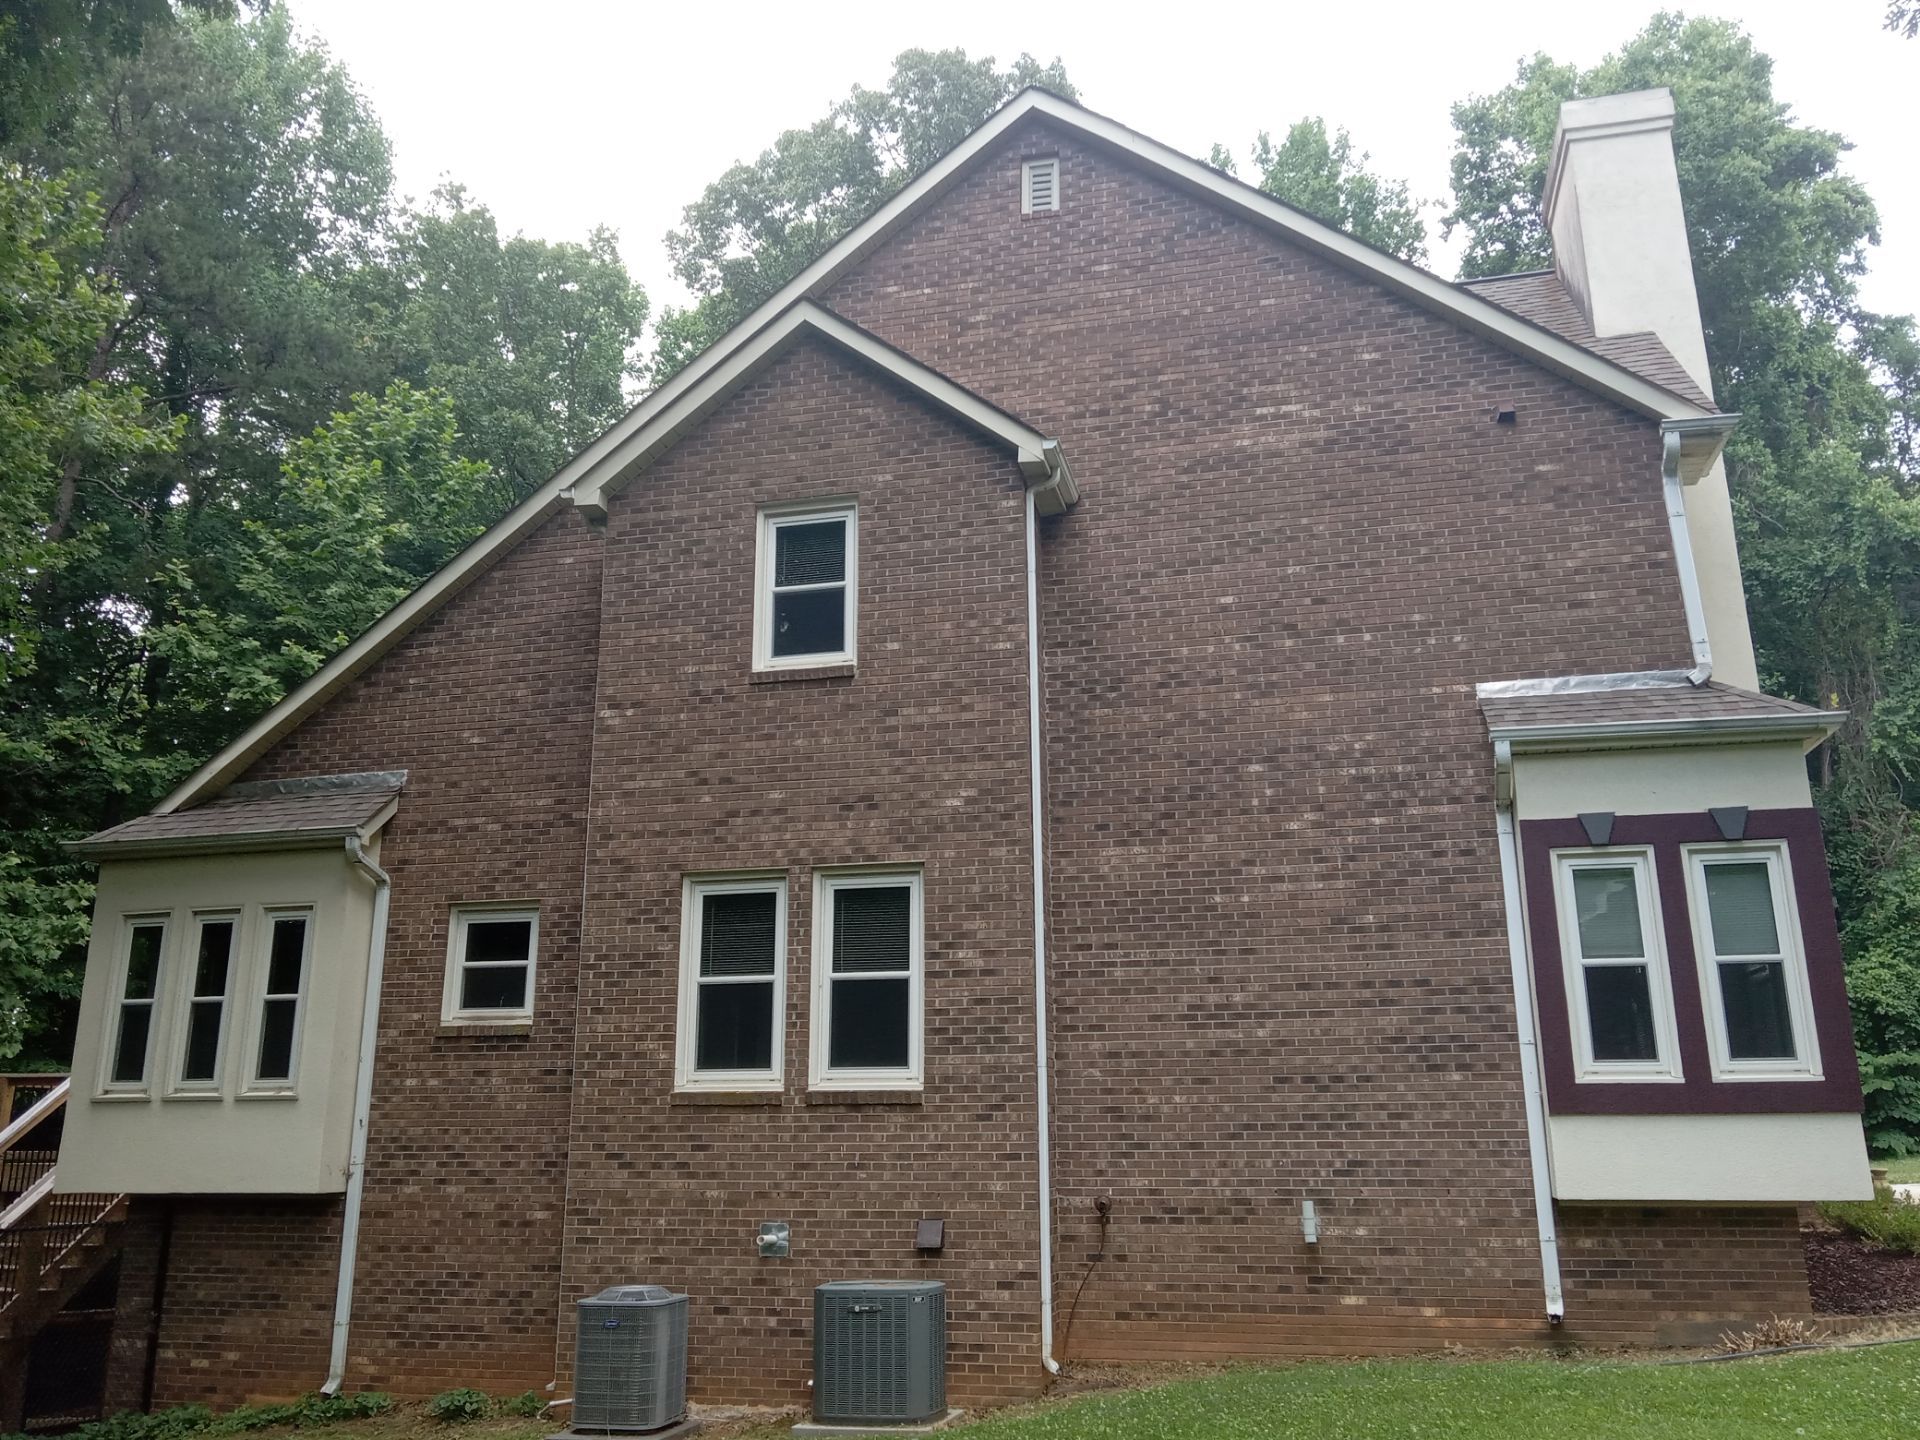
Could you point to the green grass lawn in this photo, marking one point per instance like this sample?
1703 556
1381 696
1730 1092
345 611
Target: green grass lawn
1870 1394
1903 1171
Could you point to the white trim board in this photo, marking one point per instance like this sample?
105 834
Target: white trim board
596 469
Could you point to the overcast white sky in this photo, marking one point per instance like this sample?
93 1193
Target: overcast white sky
564 114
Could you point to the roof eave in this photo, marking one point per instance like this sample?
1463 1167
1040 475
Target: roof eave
313 837
1703 730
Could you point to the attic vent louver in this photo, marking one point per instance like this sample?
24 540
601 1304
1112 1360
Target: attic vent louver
1039 186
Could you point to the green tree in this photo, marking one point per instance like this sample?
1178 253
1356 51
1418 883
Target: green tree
1823 468
759 224
1903 18
1319 173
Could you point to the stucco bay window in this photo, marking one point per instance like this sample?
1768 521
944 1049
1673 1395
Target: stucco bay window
1616 967
868 978
732 984
805 587
1753 973
492 954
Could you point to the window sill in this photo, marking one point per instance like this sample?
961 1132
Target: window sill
467 1029
726 1099
122 1097
193 1095
843 670
864 1097
268 1095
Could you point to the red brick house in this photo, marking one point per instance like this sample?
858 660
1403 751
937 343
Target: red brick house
1108 713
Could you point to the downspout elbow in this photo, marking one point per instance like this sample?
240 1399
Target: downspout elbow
1674 493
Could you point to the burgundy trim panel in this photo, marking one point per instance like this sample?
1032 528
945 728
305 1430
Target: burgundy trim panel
1698 1094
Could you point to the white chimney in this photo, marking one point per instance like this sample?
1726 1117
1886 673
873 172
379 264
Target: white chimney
1620 248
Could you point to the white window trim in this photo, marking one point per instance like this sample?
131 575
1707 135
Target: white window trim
117 1002
462 916
1666 1067
185 1004
821 1076
693 892
1027 167
773 518
1806 1041
260 964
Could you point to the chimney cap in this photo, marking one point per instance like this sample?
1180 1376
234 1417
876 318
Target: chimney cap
1600 117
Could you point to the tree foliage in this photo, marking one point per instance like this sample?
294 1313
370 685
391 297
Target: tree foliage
759 224
1824 471
1319 173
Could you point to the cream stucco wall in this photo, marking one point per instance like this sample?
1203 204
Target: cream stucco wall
1730 1158
226 1142
1769 776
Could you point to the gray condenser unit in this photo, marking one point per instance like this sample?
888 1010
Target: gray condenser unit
879 1351
630 1366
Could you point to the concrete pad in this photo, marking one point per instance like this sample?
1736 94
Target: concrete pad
674 1431
1907 1192
926 1427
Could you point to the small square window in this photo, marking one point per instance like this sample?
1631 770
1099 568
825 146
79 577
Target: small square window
1752 969
733 960
1040 186
867 980
1616 966
491 958
804 598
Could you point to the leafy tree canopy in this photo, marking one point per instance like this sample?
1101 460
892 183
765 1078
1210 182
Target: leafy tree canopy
1318 172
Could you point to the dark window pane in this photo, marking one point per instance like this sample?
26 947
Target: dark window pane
276 1040
1620 1007
499 940
216 946
143 961
869 1025
289 949
130 1056
494 987
203 1043
735 1028
1759 1024
810 554
1740 905
1607 906
810 622
737 933
872 929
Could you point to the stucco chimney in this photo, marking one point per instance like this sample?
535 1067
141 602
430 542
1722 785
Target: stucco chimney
1620 247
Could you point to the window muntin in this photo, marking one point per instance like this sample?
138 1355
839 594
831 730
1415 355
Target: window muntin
208 987
868 980
804 603
732 984
492 953
276 1053
139 973
1616 968
1753 973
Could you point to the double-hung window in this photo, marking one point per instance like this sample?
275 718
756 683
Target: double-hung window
490 963
1616 969
283 998
804 602
867 980
206 1020
1753 973
139 987
733 960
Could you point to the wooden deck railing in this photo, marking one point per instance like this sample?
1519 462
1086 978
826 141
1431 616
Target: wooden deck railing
38 1228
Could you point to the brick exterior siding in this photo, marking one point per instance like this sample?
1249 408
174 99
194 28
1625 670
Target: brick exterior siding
1278 959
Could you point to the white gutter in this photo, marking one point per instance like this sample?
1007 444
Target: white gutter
1042 1099
1529 1043
362 1105
1676 497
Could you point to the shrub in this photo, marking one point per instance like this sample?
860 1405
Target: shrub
527 1403
197 1422
1771 1334
457 1407
1887 1220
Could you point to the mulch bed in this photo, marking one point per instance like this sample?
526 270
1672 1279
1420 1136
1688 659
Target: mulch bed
1851 1276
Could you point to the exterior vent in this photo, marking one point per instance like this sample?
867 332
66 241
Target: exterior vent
630 1365
879 1352
1039 186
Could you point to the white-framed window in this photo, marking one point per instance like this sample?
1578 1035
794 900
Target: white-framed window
209 985
805 586
733 983
1746 931
1040 186
1616 966
283 991
868 980
129 1052
492 953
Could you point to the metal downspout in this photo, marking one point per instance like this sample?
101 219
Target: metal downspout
1041 1091
1677 527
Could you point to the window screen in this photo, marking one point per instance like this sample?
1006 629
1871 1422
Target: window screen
871 977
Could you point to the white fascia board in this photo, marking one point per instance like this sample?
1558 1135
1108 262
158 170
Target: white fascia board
1533 739
620 464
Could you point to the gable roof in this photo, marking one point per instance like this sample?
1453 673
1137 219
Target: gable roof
608 461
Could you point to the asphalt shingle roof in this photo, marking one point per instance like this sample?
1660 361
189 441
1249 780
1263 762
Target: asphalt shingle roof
251 815
1639 705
